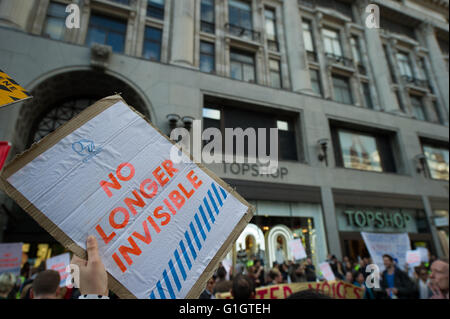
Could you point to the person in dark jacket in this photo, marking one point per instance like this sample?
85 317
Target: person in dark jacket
395 282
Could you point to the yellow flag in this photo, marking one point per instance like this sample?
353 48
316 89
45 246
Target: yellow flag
10 91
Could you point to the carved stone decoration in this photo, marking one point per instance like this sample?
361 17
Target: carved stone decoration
100 55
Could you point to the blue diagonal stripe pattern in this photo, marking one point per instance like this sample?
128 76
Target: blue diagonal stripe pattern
181 261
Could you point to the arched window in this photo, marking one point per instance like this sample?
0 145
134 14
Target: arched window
59 115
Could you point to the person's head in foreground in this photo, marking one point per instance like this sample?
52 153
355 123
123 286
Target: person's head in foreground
275 276
243 288
46 285
7 282
439 279
308 294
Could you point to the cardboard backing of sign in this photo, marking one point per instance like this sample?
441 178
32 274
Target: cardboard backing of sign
52 139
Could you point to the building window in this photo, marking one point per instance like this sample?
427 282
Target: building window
437 161
315 81
356 51
418 108
389 63
404 65
309 42
242 66
207 57
275 73
155 9
152 44
240 19
208 16
233 115
55 21
271 29
367 95
124 2
363 151
332 43
108 31
342 91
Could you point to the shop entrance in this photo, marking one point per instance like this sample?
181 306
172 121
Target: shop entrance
354 248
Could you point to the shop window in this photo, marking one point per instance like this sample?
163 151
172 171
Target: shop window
55 21
155 9
207 16
437 156
363 150
108 31
229 115
242 66
207 57
152 44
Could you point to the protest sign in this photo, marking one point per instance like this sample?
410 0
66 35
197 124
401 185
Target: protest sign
162 226
10 91
298 251
335 289
327 272
413 258
395 245
4 150
59 264
11 258
423 254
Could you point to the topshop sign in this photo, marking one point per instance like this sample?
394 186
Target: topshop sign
379 220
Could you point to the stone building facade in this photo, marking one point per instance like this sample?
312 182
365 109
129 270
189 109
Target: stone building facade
311 68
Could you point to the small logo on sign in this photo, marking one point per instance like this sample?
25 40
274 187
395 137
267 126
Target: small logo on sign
86 148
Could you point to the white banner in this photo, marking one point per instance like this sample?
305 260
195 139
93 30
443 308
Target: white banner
297 249
395 245
11 258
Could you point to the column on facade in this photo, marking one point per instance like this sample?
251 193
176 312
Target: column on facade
438 66
429 213
15 13
329 212
380 70
182 42
298 62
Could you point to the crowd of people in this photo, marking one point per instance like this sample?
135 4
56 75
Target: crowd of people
427 281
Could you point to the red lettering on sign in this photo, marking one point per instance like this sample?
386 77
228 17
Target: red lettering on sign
130 174
105 185
177 199
168 166
272 290
193 180
134 250
102 234
147 238
148 192
125 220
158 215
138 201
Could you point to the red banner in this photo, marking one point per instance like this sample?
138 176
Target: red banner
4 150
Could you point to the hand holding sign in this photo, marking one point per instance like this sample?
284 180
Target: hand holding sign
93 276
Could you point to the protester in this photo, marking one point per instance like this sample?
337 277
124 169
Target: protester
297 273
243 288
310 270
7 282
208 293
275 277
46 285
395 282
360 281
260 280
422 282
439 279
349 277
222 284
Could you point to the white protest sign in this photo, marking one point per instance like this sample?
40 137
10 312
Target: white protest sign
413 258
11 258
158 223
423 254
59 263
327 272
298 251
395 245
